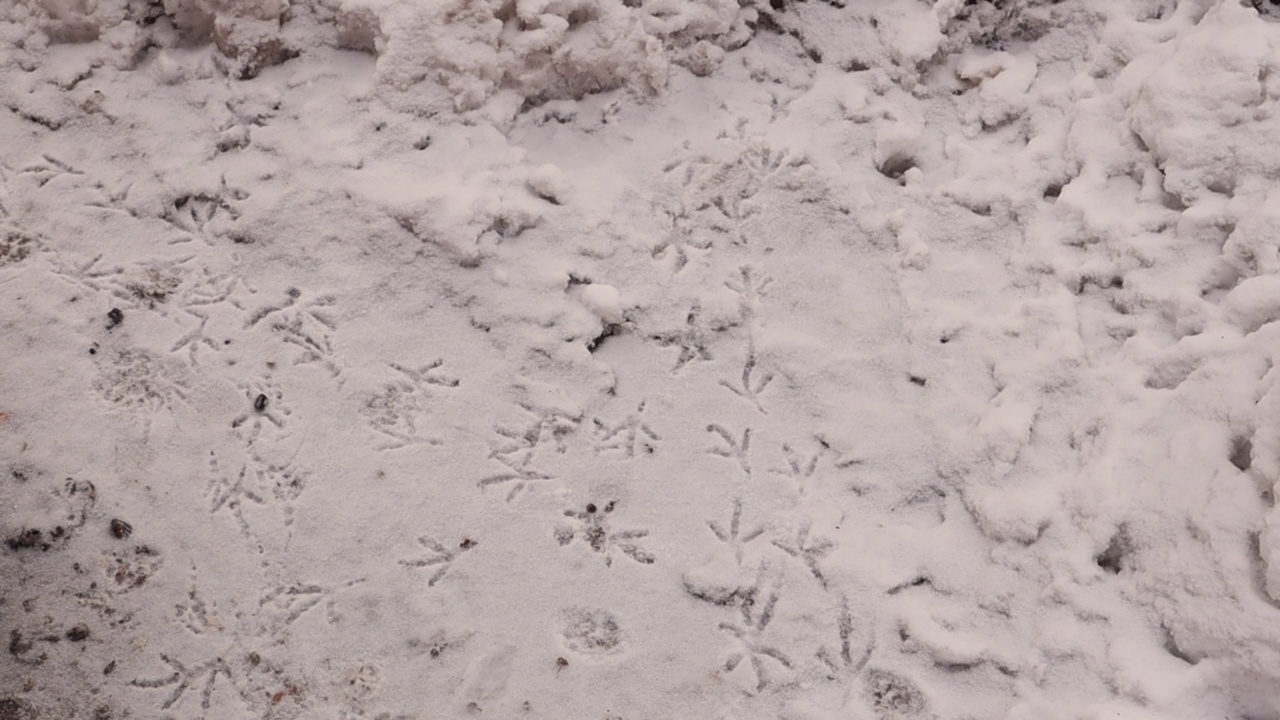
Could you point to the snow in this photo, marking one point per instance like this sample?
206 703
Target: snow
659 358
603 300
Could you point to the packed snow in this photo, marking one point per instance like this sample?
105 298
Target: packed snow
616 359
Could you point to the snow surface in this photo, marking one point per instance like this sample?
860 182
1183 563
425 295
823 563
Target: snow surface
640 359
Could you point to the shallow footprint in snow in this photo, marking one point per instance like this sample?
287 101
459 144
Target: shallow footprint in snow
591 631
487 677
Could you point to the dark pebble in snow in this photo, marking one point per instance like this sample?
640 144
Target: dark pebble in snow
121 529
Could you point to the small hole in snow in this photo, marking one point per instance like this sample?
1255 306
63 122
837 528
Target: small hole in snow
896 165
1115 557
1242 453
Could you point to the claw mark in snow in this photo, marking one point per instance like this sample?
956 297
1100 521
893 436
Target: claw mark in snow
438 556
750 646
625 434
394 410
518 473
734 536
732 448
183 677
595 532
750 388
749 288
809 550
691 339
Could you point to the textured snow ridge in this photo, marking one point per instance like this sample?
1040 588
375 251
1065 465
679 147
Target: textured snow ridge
676 359
466 50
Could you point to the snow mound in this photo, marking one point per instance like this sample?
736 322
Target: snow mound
603 301
535 50
1207 113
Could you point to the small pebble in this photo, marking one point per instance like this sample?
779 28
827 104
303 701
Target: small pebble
121 529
